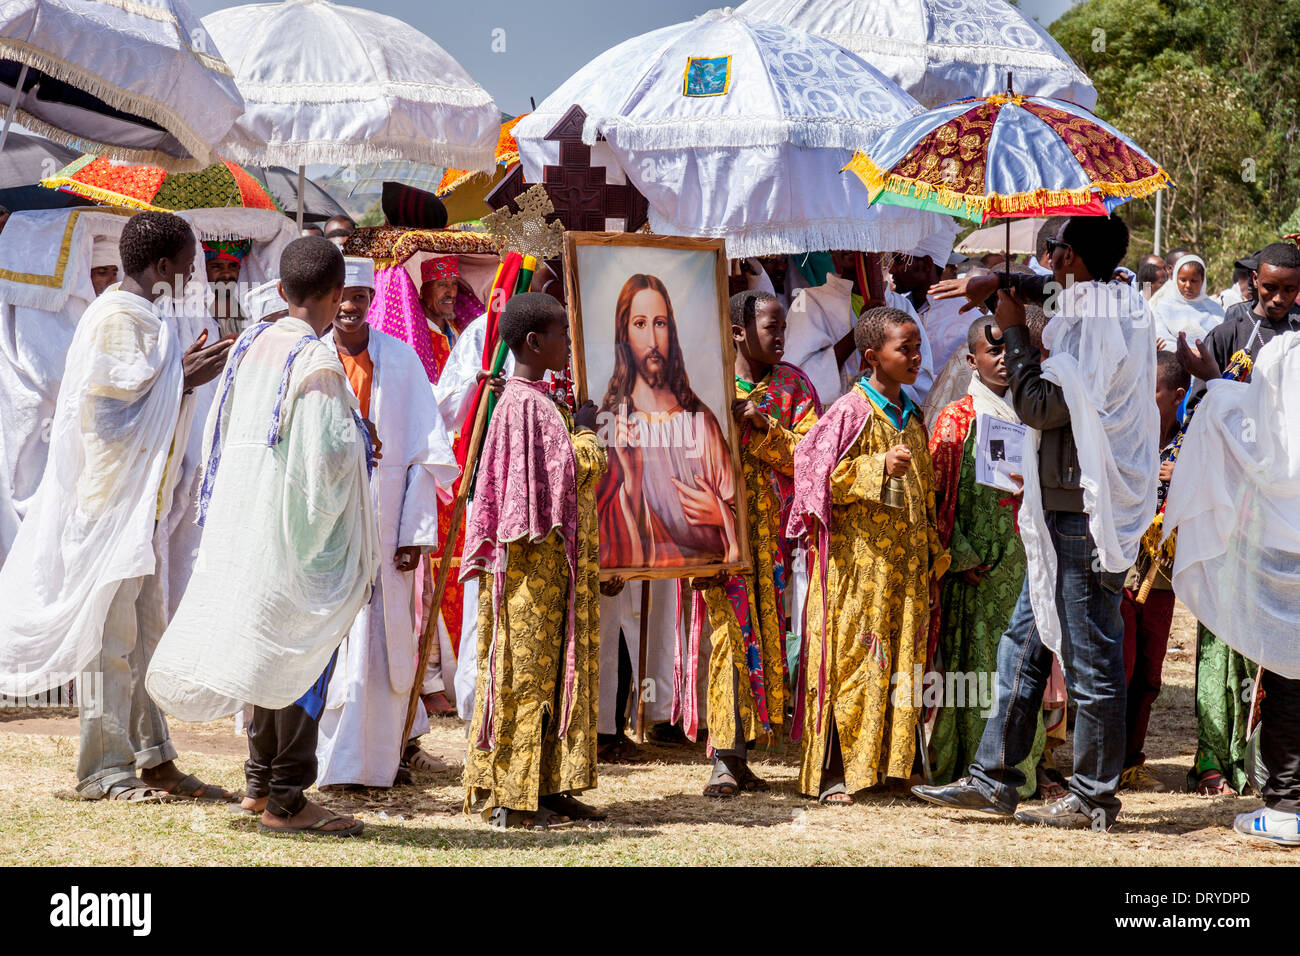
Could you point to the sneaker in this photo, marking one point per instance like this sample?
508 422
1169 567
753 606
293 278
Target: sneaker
1275 826
1141 779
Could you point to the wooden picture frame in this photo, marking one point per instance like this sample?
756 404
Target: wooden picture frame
707 366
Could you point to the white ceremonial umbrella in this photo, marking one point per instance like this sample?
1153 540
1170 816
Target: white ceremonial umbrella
738 129
325 83
141 82
941 50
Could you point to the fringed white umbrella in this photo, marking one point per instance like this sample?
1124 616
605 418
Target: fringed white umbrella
325 83
738 129
140 82
941 50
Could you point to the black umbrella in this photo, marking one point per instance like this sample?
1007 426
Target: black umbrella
25 161
282 183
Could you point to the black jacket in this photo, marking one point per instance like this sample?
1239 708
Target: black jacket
1041 405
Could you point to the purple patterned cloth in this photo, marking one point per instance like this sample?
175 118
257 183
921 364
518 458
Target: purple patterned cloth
527 487
810 513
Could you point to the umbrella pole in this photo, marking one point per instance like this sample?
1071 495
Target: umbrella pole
302 186
13 105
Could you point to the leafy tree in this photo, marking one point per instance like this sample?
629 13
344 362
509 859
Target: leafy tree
1211 88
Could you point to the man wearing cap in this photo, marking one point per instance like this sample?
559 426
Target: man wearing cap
264 303
103 264
224 260
439 287
1273 311
365 705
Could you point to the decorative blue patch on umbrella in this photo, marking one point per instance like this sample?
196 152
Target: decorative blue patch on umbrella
707 75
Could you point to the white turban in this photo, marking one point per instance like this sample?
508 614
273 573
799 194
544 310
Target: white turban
104 253
264 300
938 244
360 271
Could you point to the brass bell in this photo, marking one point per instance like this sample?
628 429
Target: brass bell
894 496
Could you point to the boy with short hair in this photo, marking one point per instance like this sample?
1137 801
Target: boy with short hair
289 550
774 406
1146 625
532 539
977 524
864 493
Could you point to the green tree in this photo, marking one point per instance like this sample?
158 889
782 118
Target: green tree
1211 89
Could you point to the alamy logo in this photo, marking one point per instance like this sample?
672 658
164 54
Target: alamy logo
76 909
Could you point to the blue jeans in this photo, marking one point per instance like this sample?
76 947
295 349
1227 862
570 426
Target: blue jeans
1092 656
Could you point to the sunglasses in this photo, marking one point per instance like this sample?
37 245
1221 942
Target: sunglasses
1054 244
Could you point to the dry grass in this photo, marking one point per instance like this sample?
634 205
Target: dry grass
657 815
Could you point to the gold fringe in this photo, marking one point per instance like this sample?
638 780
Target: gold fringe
878 180
99 194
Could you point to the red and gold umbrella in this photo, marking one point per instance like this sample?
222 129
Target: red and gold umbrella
1007 156
103 180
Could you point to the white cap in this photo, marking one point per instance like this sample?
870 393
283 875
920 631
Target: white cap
938 244
263 300
360 271
104 253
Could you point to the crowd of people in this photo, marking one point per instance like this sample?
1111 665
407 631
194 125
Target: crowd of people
914 626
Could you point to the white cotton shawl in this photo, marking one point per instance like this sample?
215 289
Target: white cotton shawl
91 523
987 402
1173 313
1235 500
1103 358
290 546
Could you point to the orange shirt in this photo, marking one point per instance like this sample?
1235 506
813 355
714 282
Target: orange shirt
360 371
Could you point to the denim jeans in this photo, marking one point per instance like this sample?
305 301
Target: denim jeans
124 729
1092 656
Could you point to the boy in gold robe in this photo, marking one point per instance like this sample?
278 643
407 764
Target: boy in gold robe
774 407
532 540
864 495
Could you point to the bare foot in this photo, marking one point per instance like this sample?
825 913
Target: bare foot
253 804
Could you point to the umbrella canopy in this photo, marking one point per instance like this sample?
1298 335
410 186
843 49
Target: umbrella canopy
26 160
1007 156
940 50
282 184
122 79
325 83
1023 239
733 128
152 187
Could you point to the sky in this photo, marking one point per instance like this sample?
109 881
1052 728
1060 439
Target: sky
547 42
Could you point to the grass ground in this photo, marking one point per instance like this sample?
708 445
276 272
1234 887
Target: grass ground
656 813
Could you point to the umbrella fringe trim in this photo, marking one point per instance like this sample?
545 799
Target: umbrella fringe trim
426 94
731 132
763 239
991 204
140 105
139 157
374 150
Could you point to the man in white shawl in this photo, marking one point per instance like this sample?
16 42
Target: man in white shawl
1091 462
365 706
290 546
1237 567
81 587
1190 310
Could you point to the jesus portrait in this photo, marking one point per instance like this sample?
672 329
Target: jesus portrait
668 498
